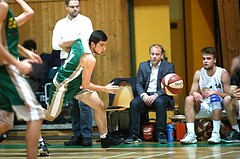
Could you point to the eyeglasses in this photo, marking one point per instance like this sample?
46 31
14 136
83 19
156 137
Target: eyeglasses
72 7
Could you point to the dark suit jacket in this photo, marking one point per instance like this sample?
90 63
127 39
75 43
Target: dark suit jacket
143 78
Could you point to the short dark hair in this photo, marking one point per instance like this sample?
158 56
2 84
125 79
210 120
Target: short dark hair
30 44
96 36
209 50
67 2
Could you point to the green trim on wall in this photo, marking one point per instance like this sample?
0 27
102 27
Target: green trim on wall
132 39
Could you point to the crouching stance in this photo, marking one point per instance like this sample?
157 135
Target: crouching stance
73 80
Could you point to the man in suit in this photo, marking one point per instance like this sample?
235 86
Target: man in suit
150 94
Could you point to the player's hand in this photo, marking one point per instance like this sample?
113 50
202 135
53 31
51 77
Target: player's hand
197 97
208 93
25 66
112 89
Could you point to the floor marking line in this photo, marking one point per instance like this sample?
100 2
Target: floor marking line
217 155
118 155
156 155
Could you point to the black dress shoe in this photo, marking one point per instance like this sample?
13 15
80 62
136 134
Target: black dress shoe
73 141
87 141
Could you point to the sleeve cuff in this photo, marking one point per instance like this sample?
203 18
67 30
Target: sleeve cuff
141 95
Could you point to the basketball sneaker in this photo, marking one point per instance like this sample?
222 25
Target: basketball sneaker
110 141
42 148
132 139
189 138
162 139
234 136
215 138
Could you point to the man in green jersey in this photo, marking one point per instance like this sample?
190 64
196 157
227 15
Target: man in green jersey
15 93
73 80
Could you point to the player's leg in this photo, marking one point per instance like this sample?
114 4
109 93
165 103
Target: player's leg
216 103
26 107
92 99
231 107
230 110
190 108
34 122
6 112
6 121
32 136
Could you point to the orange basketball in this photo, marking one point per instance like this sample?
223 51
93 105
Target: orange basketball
172 84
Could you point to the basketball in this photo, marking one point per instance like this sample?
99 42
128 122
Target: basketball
204 129
172 84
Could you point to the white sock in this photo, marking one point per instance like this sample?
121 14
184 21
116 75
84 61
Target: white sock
41 139
216 125
103 136
236 127
190 128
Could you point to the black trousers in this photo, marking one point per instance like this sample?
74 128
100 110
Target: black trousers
137 106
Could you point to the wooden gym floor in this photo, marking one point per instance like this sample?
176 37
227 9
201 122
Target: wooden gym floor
15 149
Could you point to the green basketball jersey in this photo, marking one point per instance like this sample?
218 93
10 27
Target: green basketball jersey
12 36
68 79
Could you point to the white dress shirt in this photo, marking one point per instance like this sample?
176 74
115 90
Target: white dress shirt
78 27
152 87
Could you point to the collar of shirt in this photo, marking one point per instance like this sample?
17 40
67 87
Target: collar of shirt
74 19
158 65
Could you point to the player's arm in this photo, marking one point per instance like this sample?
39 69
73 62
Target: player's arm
232 90
88 63
195 87
24 66
3 13
26 14
225 77
66 44
4 54
29 54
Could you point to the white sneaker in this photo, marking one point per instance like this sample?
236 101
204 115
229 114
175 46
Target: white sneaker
215 138
189 138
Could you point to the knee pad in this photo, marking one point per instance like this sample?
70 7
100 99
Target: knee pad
215 98
215 101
